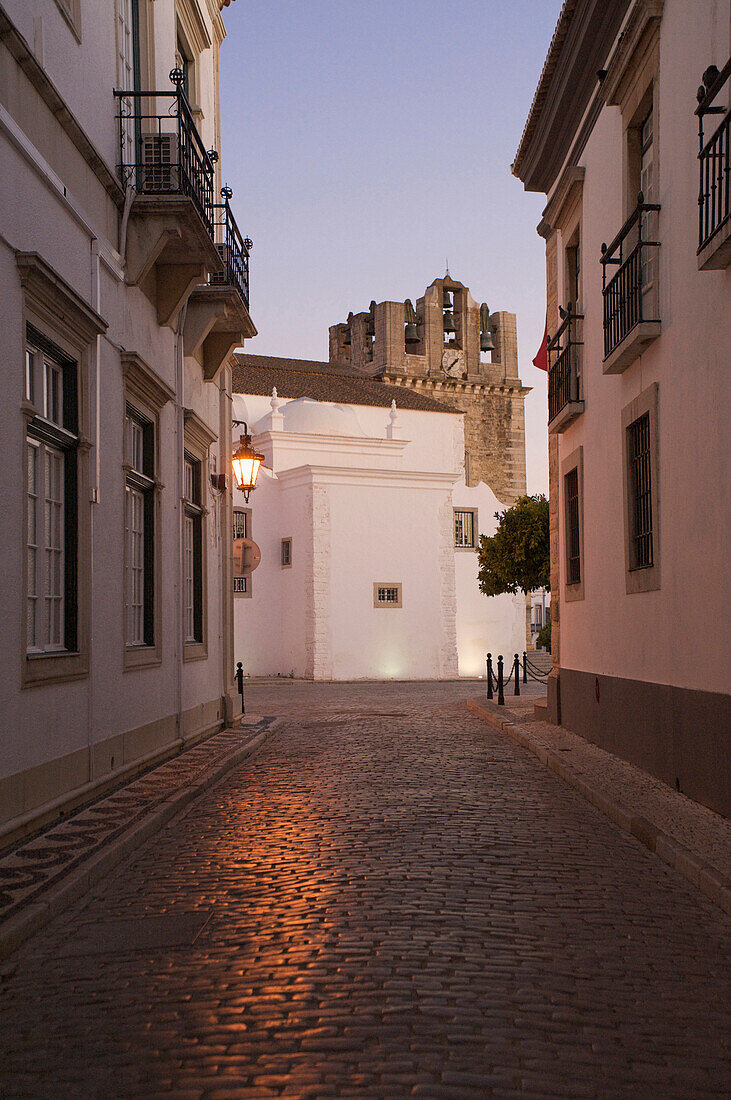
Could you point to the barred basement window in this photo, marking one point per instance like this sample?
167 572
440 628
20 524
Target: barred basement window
286 553
640 488
386 595
573 542
240 586
464 530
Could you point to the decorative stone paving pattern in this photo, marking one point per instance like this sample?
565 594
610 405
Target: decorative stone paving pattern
378 907
34 864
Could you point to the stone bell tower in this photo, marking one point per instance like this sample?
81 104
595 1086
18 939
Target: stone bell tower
437 348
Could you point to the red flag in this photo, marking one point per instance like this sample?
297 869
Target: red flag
541 359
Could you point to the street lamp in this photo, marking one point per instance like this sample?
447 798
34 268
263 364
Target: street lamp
246 462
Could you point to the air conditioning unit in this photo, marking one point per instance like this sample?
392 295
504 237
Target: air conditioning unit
220 278
159 170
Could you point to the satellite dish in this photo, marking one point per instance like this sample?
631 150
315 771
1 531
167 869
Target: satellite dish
247 556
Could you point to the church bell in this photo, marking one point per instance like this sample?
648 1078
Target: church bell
486 341
410 334
446 299
449 325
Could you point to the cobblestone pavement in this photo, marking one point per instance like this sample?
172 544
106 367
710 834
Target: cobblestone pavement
389 900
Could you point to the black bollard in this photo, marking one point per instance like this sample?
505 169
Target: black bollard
239 677
516 673
525 667
500 693
489 676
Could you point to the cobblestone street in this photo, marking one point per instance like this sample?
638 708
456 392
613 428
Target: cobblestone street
390 899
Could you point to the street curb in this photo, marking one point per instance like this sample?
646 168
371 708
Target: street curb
60 895
703 876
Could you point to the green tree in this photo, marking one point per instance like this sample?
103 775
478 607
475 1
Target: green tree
517 556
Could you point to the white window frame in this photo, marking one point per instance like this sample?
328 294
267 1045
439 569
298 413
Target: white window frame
464 545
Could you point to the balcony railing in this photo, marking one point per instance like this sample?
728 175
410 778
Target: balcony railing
714 199
626 292
160 149
232 248
563 375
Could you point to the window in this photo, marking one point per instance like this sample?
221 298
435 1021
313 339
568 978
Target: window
386 594
465 525
573 273
241 529
192 551
640 487
640 463
573 552
139 529
51 498
286 553
572 473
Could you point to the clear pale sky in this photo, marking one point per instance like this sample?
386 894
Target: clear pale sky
366 143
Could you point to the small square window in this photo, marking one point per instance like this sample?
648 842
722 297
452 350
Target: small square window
465 526
286 553
386 594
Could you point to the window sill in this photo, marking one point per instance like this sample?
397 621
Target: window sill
716 253
567 415
574 592
632 347
465 549
195 651
643 580
141 656
56 668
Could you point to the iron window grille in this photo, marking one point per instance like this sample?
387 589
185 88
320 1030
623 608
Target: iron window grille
160 149
386 595
464 530
714 198
563 372
625 304
286 559
573 536
640 488
51 386
240 531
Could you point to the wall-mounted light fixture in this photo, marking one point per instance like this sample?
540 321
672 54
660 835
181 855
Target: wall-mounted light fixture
246 462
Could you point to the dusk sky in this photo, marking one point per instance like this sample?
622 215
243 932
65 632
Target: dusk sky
369 143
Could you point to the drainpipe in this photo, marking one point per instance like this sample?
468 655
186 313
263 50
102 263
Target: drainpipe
95 414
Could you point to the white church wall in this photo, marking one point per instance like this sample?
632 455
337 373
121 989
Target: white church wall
362 510
485 624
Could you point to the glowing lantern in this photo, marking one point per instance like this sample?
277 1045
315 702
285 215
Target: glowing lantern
246 463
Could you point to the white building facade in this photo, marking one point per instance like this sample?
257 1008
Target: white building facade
367 535
124 283
638 243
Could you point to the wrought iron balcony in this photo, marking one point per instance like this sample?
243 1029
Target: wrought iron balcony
630 295
160 149
714 198
564 401
232 248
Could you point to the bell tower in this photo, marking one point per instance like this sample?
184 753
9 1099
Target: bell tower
459 353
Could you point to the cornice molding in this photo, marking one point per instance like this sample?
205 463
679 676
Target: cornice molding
197 431
143 381
644 17
193 23
52 297
570 183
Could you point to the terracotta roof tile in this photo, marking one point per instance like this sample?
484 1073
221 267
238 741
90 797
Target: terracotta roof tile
257 374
